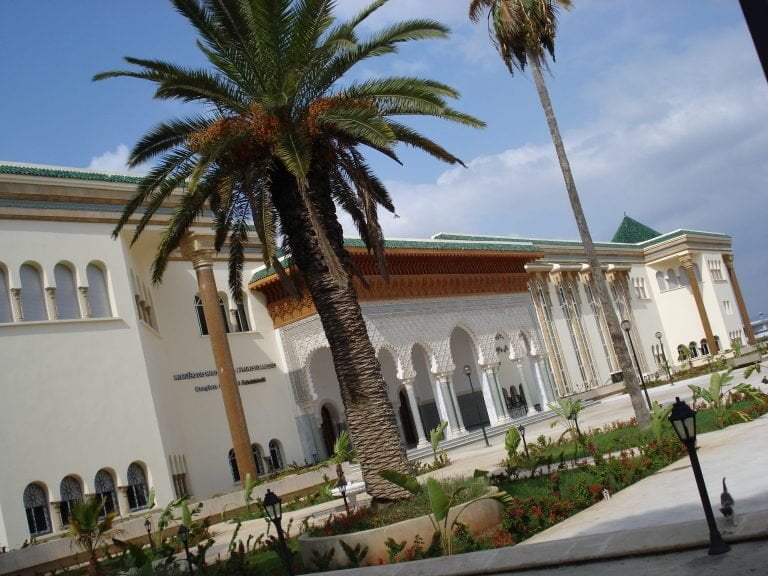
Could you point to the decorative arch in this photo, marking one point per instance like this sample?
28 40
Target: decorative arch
329 425
661 281
98 290
33 307
6 312
67 306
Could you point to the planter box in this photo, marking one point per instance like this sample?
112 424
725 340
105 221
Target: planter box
745 359
479 515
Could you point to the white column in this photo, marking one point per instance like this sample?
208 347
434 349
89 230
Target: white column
537 367
447 401
50 303
491 395
492 373
528 397
85 305
415 414
18 310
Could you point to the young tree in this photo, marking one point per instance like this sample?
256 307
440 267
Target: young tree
524 32
90 527
280 150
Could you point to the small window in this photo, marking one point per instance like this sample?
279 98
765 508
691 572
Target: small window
6 312
257 458
105 489
233 466
694 350
672 279
36 508
71 493
661 281
715 269
67 306
32 298
683 276
704 347
203 325
276 455
137 487
98 295
727 307
241 315
717 345
639 285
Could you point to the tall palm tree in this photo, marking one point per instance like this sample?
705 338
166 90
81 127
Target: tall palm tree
524 32
279 150
90 527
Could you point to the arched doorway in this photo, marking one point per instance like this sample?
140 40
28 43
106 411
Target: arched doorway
411 437
327 429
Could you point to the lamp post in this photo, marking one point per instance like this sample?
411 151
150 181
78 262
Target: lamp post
341 484
468 372
664 358
274 507
521 429
626 326
184 537
683 420
148 528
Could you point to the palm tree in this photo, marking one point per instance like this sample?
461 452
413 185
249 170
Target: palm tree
279 150
524 32
90 527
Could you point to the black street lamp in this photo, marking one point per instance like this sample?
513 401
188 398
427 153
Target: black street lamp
274 507
148 528
664 358
184 537
468 372
626 326
341 484
683 420
521 429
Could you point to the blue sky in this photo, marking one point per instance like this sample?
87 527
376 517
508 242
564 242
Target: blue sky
663 107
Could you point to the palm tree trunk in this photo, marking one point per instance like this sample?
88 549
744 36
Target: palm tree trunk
370 415
612 321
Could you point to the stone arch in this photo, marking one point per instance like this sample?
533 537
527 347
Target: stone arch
321 378
472 403
330 418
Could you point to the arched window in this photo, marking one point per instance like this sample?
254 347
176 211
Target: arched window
71 492
105 489
137 487
233 466
682 353
36 508
201 315
98 295
241 315
683 276
694 350
704 347
32 299
6 314
672 279
717 344
661 281
258 459
276 455
66 293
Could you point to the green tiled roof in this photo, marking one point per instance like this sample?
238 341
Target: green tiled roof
80 206
429 244
631 231
67 173
534 241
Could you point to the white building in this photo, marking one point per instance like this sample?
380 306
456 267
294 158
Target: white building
109 385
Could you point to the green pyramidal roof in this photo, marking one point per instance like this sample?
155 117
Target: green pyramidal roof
631 231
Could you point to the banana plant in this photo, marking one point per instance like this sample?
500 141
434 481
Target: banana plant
512 441
659 416
440 502
568 410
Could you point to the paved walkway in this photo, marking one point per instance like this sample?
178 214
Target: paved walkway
659 514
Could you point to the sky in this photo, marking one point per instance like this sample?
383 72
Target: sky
663 107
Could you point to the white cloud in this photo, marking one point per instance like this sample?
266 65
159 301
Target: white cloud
115 161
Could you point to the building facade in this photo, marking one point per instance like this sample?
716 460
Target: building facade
110 387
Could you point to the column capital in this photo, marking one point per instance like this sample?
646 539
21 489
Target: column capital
728 260
686 260
197 249
490 366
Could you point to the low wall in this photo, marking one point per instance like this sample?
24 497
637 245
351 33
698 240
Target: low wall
477 515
